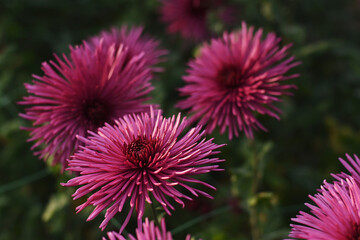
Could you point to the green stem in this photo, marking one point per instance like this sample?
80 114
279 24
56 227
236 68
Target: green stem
254 214
154 212
200 219
255 233
24 181
255 174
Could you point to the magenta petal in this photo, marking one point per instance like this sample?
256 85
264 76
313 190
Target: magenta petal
141 155
235 77
334 216
101 80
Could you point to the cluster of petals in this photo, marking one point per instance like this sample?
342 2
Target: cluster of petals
187 17
102 80
335 215
141 158
135 41
148 232
352 165
234 77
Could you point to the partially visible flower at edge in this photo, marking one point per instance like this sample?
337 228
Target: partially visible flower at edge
335 215
187 17
148 232
235 76
101 81
352 165
140 156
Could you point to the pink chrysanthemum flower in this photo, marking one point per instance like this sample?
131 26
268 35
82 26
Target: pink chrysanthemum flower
187 17
138 157
352 165
96 84
148 231
335 215
235 76
136 43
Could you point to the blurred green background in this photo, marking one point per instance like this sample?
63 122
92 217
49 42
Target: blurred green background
320 123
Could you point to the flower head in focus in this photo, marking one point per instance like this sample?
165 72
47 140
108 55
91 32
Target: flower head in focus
148 231
99 82
141 156
335 215
187 17
235 76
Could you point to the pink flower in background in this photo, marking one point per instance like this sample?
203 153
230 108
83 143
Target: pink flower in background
148 231
335 215
96 84
135 41
352 165
142 155
235 76
229 14
187 17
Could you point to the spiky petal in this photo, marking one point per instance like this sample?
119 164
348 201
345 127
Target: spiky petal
114 236
136 42
352 165
99 82
234 77
140 156
148 231
335 215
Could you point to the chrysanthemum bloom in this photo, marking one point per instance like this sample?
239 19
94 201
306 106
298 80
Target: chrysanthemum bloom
335 215
97 84
352 165
148 232
187 17
235 76
140 156
136 43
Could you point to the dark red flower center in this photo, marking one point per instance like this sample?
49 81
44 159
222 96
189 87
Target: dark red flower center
230 77
140 151
96 113
356 233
